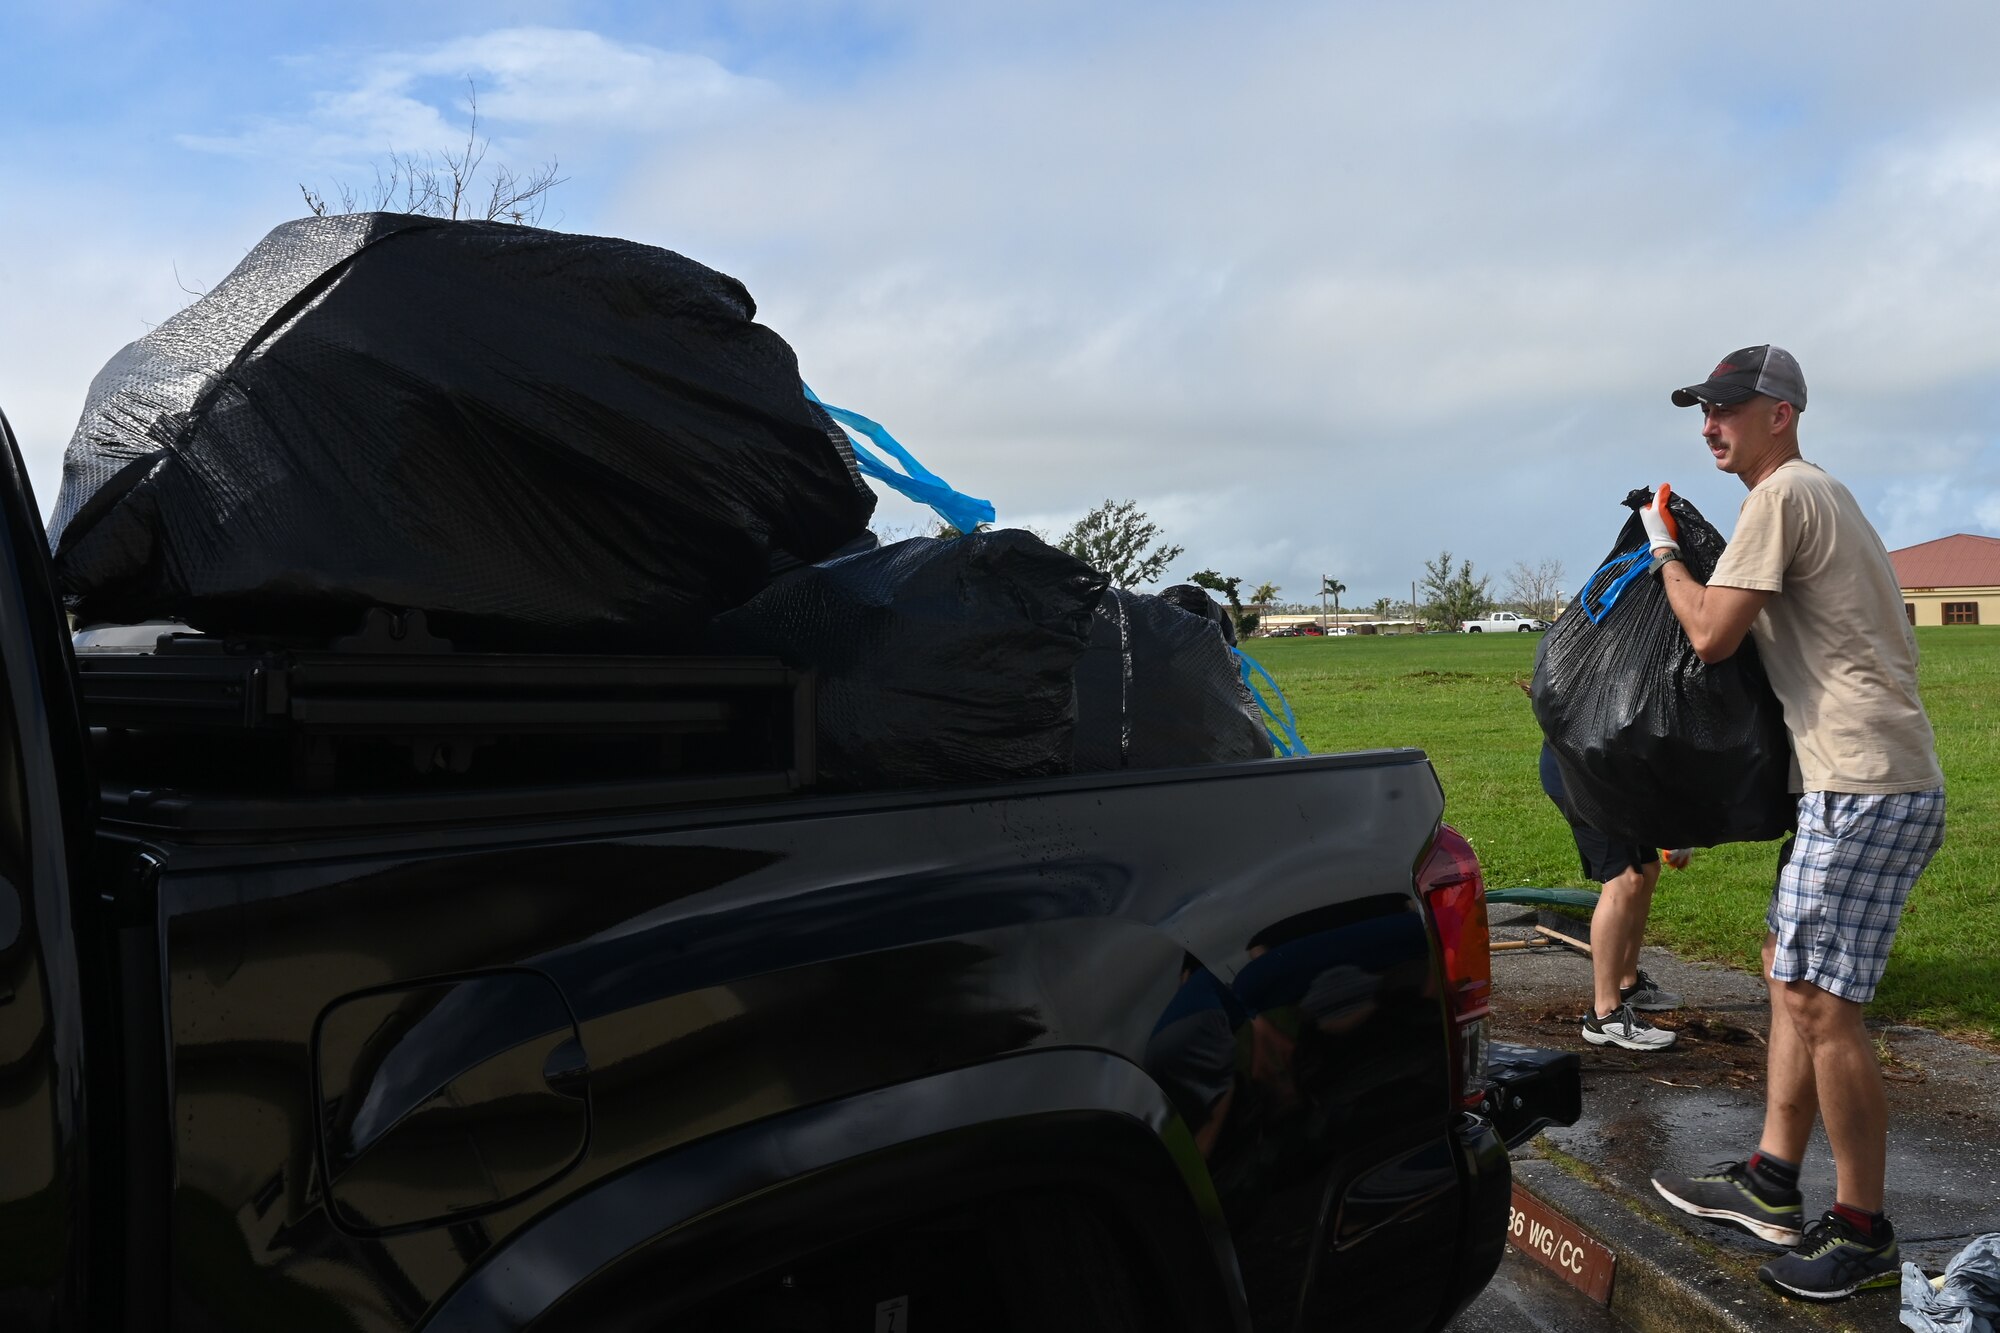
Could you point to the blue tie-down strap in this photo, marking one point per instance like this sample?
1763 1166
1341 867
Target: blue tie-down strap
1289 743
1602 590
918 482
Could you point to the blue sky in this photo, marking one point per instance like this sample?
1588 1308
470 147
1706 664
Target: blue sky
1325 287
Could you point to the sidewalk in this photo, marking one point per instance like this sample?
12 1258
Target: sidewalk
1702 1102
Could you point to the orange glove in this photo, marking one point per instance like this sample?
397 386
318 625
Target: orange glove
1661 530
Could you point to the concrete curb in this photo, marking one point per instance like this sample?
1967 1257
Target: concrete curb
1667 1280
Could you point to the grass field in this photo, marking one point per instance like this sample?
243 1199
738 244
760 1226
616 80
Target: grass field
1457 697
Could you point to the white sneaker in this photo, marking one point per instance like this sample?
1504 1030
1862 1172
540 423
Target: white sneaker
1627 1029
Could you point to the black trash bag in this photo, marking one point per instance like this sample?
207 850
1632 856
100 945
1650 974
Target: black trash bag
940 660
1655 747
540 440
1158 688
1194 599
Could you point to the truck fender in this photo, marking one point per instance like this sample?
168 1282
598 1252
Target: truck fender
692 1223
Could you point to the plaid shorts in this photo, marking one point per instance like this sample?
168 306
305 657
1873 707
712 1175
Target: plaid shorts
1842 882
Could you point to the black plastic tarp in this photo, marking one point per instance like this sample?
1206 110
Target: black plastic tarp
1655 746
541 440
939 660
1157 688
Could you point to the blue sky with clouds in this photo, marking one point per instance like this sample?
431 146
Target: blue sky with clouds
1325 287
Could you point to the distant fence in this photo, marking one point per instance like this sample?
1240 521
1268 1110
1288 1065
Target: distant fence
1353 624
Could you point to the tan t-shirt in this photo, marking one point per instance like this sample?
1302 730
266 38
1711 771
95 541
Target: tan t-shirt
1835 640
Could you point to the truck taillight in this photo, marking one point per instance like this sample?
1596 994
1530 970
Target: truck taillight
1455 895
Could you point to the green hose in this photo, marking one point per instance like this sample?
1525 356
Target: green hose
1544 897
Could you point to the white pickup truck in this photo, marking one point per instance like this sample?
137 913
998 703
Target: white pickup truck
1503 622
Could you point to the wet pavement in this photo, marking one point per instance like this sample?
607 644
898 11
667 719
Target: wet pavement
1701 1102
1525 1298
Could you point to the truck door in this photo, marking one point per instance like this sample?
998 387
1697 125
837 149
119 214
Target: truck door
44 803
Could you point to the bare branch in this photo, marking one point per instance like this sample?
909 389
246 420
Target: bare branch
445 184
1536 589
521 199
461 169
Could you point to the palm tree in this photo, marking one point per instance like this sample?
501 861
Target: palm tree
1264 594
1330 585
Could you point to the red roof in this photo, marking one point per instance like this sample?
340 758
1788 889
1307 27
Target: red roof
1960 561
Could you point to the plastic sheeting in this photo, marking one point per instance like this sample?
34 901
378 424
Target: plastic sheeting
939 660
1966 1300
1656 747
1157 688
964 512
541 440
1287 742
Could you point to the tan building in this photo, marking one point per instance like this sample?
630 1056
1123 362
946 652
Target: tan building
1951 581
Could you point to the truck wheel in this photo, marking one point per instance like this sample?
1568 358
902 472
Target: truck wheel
1066 1270
1025 1263
1523 629
1472 629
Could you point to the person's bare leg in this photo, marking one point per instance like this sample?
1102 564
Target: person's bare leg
1848 1078
1615 927
1791 1093
1628 962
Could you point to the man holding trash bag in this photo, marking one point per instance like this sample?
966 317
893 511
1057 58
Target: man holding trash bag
1807 574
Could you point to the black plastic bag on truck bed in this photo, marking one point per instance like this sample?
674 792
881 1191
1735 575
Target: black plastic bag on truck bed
939 660
539 440
1194 599
1655 747
1157 688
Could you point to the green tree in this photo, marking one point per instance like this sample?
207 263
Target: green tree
1263 595
1113 538
1452 596
1246 621
1382 607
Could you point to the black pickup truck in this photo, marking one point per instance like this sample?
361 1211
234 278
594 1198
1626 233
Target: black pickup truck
1195 1049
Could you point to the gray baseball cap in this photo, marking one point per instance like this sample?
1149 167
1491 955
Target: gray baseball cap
1748 371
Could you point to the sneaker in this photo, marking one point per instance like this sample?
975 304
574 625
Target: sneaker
1729 1193
1647 994
1833 1261
1627 1029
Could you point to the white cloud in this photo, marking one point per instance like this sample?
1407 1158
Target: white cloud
570 78
1924 508
1410 278
1912 511
532 83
